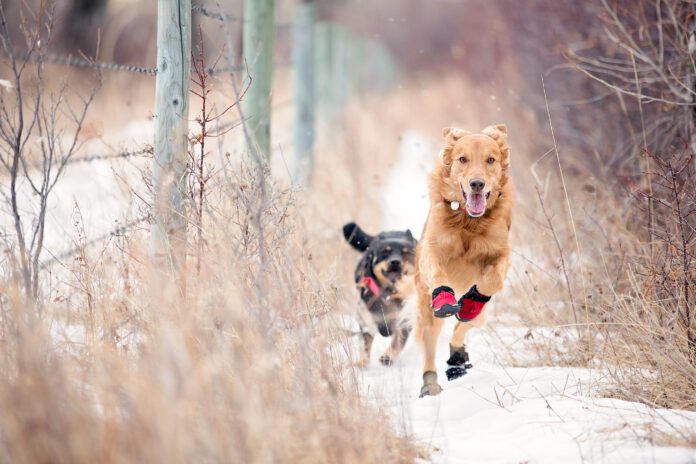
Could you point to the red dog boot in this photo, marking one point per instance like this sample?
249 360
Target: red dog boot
471 305
444 302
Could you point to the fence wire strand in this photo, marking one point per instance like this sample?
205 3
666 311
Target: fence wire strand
76 62
218 15
145 152
224 17
118 231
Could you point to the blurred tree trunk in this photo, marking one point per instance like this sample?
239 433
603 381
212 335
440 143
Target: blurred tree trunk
168 236
303 64
258 41
84 17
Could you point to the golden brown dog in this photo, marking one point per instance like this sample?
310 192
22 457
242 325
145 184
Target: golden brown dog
464 247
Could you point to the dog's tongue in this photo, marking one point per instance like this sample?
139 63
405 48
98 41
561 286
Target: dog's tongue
476 204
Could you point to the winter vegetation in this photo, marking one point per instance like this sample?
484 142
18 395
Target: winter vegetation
174 283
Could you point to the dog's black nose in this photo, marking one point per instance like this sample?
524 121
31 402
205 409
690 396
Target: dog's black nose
477 185
394 264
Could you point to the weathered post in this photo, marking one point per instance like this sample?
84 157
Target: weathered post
303 64
168 236
258 44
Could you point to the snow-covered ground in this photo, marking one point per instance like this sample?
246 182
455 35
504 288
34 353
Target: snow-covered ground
502 414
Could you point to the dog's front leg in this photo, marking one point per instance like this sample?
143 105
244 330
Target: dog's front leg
493 277
491 282
443 301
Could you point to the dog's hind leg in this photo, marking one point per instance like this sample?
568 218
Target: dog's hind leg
428 330
367 347
458 361
398 340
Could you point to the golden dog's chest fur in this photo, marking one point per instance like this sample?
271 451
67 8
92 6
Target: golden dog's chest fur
466 247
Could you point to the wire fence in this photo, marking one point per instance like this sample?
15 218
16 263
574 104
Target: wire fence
145 152
84 62
225 17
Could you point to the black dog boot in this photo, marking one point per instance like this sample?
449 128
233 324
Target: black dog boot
430 386
459 360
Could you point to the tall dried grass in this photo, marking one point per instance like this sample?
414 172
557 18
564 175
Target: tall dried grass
249 368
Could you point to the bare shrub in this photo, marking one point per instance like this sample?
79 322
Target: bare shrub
39 133
645 56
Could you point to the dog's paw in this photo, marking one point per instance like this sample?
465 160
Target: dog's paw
430 386
431 389
455 372
444 303
386 360
459 357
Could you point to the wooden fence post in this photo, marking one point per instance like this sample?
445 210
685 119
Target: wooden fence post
303 64
168 235
258 45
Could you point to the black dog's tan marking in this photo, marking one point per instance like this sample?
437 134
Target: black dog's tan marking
387 258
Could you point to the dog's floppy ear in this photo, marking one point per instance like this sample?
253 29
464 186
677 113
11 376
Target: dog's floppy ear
356 236
452 134
499 133
500 128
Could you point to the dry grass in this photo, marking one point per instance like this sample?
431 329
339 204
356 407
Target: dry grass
248 369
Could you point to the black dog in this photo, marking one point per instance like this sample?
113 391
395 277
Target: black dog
387 258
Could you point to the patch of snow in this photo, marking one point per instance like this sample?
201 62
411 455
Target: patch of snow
500 414
405 192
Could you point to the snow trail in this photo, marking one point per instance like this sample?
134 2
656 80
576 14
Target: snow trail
497 413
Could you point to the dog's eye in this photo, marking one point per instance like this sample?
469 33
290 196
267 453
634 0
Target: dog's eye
463 159
406 251
490 160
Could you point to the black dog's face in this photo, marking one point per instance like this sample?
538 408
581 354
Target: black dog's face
392 256
388 256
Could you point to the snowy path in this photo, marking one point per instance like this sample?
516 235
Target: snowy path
499 414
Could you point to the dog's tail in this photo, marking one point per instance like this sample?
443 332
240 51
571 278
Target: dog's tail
357 237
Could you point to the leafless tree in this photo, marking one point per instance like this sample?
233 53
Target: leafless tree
40 127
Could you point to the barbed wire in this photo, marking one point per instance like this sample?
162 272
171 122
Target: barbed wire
118 231
218 15
148 150
75 62
224 17
229 69
72 61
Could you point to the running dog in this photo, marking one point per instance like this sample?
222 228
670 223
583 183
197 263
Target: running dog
464 249
387 262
